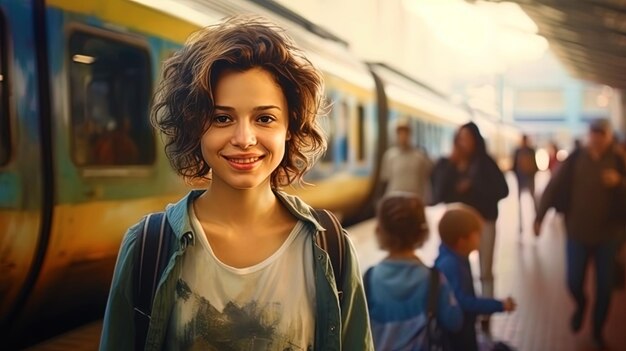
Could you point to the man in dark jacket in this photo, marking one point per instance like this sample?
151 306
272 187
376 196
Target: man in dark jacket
590 190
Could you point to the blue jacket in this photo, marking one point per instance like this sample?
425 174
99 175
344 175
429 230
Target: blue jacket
338 326
397 293
456 269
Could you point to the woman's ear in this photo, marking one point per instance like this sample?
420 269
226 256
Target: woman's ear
288 137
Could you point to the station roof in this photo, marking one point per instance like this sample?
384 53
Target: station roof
588 36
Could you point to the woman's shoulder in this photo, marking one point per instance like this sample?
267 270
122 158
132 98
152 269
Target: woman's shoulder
130 237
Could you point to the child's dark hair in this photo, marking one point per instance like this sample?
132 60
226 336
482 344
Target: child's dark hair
184 103
458 222
402 220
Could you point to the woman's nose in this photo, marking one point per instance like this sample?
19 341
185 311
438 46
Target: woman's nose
244 136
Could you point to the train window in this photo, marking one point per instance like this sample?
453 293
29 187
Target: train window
328 126
110 87
343 126
419 133
5 132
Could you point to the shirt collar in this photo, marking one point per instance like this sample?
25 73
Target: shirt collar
178 213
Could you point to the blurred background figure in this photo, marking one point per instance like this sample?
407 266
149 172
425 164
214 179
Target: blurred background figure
577 143
472 177
553 161
590 189
116 145
525 168
460 229
405 167
398 288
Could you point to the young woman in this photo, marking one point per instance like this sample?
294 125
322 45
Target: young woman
238 106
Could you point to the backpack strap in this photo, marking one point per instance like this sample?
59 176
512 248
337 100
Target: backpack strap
331 240
433 295
150 261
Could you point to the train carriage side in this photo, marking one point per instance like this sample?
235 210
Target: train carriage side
106 169
344 177
25 196
435 118
432 116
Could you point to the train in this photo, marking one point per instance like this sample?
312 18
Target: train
76 80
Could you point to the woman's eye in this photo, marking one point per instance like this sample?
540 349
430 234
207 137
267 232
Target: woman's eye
221 119
266 119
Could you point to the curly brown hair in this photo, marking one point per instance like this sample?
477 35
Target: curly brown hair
184 102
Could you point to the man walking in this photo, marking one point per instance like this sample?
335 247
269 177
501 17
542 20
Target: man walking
590 190
525 168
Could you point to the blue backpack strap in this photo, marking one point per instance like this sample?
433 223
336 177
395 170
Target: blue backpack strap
435 339
331 240
150 261
433 294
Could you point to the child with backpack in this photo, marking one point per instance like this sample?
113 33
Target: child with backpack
238 265
406 298
460 229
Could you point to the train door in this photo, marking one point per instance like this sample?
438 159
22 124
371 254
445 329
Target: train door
25 155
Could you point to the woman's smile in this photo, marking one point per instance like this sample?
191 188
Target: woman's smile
244 162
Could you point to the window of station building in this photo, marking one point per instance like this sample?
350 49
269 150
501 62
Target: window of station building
596 99
110 88
538 104
5 130
360 151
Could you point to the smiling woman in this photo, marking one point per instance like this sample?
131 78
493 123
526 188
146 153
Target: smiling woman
238 104
245 142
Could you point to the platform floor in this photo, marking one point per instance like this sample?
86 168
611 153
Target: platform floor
530 269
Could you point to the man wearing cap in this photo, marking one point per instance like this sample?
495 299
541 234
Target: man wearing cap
405 168
590 190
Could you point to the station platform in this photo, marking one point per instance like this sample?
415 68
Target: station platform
530 269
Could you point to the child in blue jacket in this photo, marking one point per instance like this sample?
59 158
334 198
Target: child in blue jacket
460 229
397 287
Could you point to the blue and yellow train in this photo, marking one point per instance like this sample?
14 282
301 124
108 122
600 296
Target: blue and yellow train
79 161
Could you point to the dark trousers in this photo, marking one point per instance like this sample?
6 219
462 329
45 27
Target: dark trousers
578 255
465 339
525 182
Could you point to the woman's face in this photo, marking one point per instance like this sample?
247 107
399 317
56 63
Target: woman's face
247 138
465 142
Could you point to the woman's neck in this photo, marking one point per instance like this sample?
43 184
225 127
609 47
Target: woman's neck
244 206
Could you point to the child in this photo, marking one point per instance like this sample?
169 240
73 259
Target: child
397 288
460 229
238 106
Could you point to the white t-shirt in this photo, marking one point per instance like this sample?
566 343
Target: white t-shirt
269 306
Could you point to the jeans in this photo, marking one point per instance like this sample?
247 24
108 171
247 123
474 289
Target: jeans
578 255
